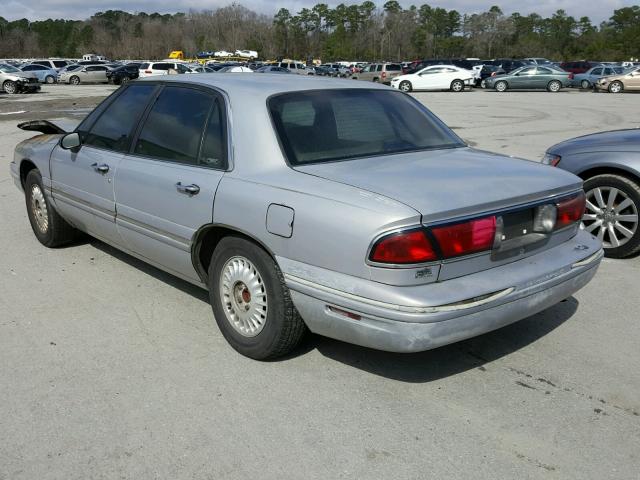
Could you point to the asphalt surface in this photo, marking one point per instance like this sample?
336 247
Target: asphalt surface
112 369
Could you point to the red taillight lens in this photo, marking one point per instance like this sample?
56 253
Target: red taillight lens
493 74
464 238
571 210
571 76
403 248
148 71
384 75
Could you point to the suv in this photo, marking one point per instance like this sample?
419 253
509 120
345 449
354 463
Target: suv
578 67
152 69
379 72
295 67
54 64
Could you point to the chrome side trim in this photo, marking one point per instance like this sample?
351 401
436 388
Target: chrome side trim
155 233
462 305
83 204
588 260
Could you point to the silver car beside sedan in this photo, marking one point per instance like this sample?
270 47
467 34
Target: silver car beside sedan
300 203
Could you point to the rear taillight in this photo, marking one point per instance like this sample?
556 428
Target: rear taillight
383 75
571 76
570 210
493 74
408 247
465 238
148 71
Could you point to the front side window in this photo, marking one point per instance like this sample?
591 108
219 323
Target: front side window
173 129
596 71
528 71
113 128
329 125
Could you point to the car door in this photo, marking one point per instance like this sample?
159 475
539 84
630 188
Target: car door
429 78
523 79
165 186
632 80
594 74
82 179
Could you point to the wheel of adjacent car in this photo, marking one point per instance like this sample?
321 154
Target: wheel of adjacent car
124 80
49 227
251 302
483 84
10 87
613 203
457 86
554 86
49 79
74 80
376 80
501 86
405 86
585 84
616 87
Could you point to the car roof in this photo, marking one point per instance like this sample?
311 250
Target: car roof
254 86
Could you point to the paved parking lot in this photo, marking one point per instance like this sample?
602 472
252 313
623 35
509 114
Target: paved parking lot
112 369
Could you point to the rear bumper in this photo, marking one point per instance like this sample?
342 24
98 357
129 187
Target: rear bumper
400 328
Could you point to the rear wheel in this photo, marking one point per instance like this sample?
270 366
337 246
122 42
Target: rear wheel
613 203
405 86
124 80
501 86
49 79
585 84
554 86
483 84
74 80
457 86
616 87
49 227
250 301
10 87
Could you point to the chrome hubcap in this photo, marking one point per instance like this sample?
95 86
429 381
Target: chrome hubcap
610 215
615 88
244 296
39 209
404 87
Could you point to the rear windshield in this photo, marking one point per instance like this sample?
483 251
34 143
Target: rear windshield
328 125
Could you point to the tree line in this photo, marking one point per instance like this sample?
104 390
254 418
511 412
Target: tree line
363 32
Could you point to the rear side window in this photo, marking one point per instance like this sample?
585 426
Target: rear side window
173 129
162 66
113 128
144 66
329 125
60 63
394 67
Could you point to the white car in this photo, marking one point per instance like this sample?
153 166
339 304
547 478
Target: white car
222 53
435 77
152 69
247 53
235 69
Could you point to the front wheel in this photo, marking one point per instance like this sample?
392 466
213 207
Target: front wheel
554 86
616 87
49 227
74 80
457 86
405 86
501 86
585 84
251 302
613 202
10 87
483 84
124 80
49 79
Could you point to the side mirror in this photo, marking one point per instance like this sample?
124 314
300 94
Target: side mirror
70 141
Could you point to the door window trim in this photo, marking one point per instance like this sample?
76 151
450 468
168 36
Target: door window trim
218 98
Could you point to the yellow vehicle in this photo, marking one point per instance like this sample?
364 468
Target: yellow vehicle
177 55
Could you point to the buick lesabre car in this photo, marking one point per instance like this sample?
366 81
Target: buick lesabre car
344 208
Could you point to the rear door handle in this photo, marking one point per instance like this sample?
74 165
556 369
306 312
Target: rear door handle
100 167
188 189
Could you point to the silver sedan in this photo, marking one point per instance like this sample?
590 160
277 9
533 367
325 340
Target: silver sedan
347 209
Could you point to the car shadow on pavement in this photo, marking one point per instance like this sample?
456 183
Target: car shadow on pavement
451 359
150 270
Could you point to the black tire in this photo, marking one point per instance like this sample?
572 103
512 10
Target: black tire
483 84
501 86
10 87
585 84
283 327
49 79
554 86
57 232
616 87
405 86
376 80
632 190
124 80
74 80
457 86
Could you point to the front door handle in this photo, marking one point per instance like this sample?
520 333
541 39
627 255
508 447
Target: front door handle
100 167
188 189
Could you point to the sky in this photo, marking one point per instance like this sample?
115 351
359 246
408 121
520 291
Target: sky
82 9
